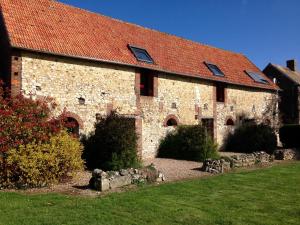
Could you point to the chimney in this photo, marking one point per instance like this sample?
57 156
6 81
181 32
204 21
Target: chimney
291 64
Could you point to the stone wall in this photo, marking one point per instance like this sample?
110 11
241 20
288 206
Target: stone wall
242 101
105 87
195 100
225 164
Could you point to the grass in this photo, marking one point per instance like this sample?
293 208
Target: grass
266 196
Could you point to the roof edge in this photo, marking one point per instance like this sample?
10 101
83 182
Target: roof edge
277 67
142 67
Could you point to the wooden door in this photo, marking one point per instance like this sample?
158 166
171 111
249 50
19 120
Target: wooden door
208 123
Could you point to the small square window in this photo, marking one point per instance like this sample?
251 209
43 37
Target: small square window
220 95
81 101
257 77
141 54
214 69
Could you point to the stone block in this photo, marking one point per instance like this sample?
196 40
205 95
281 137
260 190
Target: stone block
120 181
101 184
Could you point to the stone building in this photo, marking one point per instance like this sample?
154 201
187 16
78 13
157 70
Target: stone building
288 79
91 64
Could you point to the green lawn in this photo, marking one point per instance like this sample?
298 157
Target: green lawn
266 196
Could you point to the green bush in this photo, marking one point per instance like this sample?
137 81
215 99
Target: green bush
188 143
113 145
290 135
249 137
40 164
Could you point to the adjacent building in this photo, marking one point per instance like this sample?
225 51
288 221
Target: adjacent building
92 64
288 79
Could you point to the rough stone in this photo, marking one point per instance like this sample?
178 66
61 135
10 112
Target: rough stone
103 181
244 160
103 85
286 154
96 173
123 172
104 185
120 181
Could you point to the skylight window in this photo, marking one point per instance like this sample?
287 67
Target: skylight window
257 77
215 70
141 54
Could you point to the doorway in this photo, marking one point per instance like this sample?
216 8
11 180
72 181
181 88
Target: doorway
208 123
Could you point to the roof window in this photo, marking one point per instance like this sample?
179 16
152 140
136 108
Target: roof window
257 77
141 54
214 69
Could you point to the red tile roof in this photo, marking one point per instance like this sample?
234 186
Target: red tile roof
57 28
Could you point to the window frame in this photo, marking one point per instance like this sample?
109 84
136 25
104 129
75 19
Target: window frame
133 49
210 67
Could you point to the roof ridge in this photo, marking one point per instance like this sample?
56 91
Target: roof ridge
147 28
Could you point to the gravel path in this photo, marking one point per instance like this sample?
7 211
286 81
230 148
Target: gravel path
181 169
177 169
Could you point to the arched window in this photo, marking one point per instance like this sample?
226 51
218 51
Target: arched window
171 123
72 126
229 122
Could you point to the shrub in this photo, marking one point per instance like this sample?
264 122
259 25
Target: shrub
251 137
188 143
290 135
113 145
23 120
40 164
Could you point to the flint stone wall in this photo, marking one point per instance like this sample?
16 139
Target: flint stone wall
105 87
237 161
286 154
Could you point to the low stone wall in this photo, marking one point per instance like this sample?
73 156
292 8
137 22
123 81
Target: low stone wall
103 181
227 163
286 154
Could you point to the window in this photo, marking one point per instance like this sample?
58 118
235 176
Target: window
220 95
81 101
230 122
214 69
146 83
141 55
257 77
171 122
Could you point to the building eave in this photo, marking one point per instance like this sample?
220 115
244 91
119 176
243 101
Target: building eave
273 89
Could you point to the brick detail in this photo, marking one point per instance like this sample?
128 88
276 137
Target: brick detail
155 85
225 95
74 116
171 117
138 120
109 108
16 73
215 111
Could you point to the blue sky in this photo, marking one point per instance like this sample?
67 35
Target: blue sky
264 30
